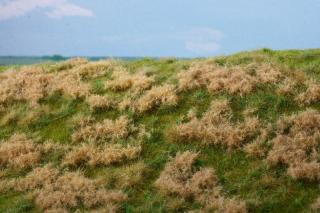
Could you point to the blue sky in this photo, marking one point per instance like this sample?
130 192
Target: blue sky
182 28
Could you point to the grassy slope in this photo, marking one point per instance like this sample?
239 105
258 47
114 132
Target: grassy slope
264 189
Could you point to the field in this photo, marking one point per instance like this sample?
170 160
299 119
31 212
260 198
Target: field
237 133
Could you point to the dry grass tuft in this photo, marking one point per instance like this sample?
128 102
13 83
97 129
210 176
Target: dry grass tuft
156 96
123 80
32 83
180 177
296 145
258 148
287 86
125 104
99 102
215 128
19 152
70 63
93 69
235 79
52 191
311 95
316 205
101 156
69 84
106 130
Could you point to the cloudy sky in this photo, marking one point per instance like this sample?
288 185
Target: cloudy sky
183 28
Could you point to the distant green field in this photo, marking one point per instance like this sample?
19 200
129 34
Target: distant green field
122 88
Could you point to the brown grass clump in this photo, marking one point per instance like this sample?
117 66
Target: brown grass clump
316 205
235 79
125 104
96 156
131 175
29 83
19 152
215 128
70 63
123 80
287 86
106 130
32 83
296 145
99 102
180 177
156 96
52 191
69 84
311 95
267 73
93 69
258 148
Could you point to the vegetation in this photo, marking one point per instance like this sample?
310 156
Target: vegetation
237 133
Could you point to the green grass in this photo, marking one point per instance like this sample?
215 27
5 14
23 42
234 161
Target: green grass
264 189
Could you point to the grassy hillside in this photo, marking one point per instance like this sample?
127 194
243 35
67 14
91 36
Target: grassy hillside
238 133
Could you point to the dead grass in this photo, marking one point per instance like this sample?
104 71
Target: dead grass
93 69
52 190
30 83
19 152
259 147
215 128
234 79
88 130
99 102
311 95
101 156
156 96
123 80
33 83
316 205
180 177
287 87
296 145
70 63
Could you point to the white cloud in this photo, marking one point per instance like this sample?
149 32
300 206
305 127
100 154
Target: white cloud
202 47
197 40
203 40
55 8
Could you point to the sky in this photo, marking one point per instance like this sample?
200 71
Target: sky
157 28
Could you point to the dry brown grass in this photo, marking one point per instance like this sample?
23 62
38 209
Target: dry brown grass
99 102
316 205
215 128
311 95
296 145
287 86
52 190
88 130
156 96
123 80
131 174
69 84
101 156
180 177
32 83
19 152
70 63
29 83
125 104
93 69
259 147
235 79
